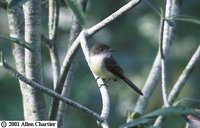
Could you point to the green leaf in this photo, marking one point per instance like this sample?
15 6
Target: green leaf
161 112
189 19
18 41
160 13
186 99
136 122
172 111
78 12
132 115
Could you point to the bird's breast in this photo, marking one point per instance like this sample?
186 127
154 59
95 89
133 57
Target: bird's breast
97 65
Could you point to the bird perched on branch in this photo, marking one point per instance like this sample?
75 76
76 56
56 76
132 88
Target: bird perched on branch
105 66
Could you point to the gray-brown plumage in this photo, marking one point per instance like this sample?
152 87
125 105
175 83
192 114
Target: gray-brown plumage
104 65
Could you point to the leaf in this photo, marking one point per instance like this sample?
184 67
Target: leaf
136 122
189 19
161 112
78 12
186 99
18 41
172 111
160 13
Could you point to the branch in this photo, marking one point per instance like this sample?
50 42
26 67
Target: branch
172 9
112 17
74 32
33 63
53 32
184 76
47 91
100 82
77 11
163 55
21 42
16 29
181 81
75 46
149 85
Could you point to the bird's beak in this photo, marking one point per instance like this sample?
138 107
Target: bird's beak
111 50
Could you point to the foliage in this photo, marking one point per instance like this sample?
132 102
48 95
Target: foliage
135 38
170 111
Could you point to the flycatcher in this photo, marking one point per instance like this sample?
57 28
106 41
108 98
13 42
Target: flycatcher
104 65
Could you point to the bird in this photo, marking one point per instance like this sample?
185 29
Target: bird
103 64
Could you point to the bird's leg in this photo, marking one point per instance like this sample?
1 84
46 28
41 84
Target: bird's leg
97 78
115 80
104 80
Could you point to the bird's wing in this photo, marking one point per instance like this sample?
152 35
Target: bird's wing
113 66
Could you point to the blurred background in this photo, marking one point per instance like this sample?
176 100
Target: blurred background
134 37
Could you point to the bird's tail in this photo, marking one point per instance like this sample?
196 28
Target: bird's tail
132 85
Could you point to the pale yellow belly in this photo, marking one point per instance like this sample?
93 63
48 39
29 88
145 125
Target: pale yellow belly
99 69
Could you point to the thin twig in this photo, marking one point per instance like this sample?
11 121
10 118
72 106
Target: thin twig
53 32
172 9
149 85
182 80
59 87
75 46
74 32
53 50
100 82
163 64
163 83
184 76
112 17
19 41
47 91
